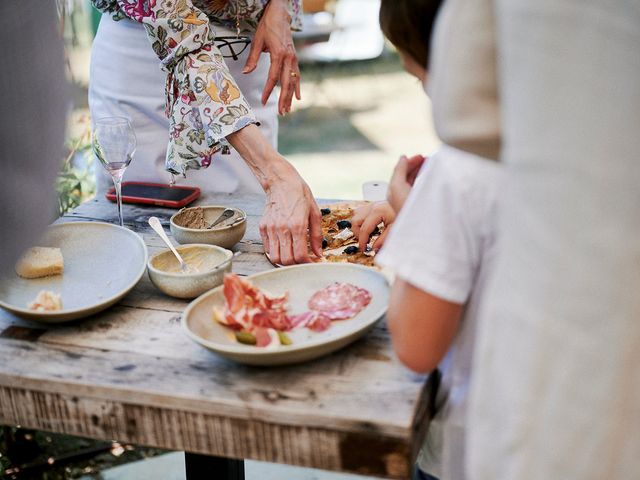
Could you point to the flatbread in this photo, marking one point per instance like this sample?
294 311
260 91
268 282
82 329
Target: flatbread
335 245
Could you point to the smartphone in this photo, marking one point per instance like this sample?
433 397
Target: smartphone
159 194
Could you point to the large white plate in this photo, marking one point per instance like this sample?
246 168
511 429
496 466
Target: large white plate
301 281
102 262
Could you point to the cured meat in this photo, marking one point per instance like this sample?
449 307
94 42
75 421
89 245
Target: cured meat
340 300
247 307
313 320
319 322
263 317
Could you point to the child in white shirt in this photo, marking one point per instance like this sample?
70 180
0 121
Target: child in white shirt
441 247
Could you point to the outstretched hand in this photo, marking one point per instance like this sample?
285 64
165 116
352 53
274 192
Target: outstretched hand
291 222
404 174
273 35
365 220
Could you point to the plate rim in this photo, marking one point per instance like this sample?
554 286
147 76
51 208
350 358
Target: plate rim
105 303
235 349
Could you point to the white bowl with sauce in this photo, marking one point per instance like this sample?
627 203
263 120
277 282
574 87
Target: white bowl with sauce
207 266
225 235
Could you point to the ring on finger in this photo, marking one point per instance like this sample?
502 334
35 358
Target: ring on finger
293 73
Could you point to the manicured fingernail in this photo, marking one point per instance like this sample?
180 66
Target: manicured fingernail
245 70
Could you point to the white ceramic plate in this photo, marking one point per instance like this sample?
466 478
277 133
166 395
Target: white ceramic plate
301 281
102 262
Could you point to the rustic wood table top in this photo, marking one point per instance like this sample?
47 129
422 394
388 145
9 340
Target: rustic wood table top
131 374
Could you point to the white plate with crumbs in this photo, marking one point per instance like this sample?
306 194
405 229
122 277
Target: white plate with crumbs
301 281
102 263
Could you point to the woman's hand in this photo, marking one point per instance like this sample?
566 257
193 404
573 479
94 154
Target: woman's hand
365 220
291 216
292 219
273 35
404 174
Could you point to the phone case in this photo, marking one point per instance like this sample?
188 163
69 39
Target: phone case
195 193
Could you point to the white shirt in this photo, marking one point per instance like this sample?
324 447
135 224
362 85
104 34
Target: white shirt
443 243
556 385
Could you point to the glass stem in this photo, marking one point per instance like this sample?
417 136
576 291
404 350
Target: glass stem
117 182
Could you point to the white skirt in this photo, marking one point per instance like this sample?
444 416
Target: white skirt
126 80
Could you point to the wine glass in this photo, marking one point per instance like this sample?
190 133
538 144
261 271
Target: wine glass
114 144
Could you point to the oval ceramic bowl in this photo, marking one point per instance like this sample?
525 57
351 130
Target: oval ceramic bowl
102 263
225 235
189 285
301 281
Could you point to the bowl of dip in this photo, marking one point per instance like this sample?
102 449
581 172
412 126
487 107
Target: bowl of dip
206 264
189 225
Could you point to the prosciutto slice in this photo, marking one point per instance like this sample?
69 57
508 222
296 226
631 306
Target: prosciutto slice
248 308
339 301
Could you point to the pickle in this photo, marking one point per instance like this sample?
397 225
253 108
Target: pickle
284 339
246 338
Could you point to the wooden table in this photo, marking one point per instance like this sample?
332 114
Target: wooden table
131 374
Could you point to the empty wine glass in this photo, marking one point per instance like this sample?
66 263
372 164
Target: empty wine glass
114 144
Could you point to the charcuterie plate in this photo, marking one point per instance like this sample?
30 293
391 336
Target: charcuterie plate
301 282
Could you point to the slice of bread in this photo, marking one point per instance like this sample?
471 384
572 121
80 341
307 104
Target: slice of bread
40 262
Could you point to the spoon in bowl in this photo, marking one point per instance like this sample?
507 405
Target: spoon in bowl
157 227
228 213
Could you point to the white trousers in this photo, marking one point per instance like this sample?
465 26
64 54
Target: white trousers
126 80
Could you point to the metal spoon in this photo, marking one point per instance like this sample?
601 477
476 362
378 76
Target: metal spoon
228 213
157 227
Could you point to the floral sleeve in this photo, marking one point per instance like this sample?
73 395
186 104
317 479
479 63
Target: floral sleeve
204 103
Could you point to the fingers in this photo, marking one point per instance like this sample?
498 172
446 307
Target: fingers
377 245
414 164
284 69
300 249
368 226
286 245
289 78
270 241
274 245
257 47
298 96
264 236
315 230
272 77
359 216
400 170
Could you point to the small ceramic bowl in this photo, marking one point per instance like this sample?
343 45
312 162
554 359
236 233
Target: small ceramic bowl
164 270
225 235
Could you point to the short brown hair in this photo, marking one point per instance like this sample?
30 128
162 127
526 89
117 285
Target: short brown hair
408 25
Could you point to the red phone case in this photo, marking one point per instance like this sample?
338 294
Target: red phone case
195 193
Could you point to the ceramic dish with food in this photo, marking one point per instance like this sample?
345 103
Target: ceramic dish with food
300 283
190 225
101 264
206 266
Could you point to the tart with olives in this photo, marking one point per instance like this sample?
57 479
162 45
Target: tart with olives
339 244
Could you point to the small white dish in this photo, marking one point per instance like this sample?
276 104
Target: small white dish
165 274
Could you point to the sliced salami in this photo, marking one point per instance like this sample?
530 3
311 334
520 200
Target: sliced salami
340 300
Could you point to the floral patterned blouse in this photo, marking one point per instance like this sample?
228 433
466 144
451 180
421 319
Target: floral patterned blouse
203 101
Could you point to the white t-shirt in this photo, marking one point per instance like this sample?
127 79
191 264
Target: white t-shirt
443 243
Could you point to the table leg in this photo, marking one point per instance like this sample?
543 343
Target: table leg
206 467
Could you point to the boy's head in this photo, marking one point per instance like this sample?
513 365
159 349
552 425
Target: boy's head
408 24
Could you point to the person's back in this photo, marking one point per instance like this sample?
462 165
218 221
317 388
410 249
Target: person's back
443 244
